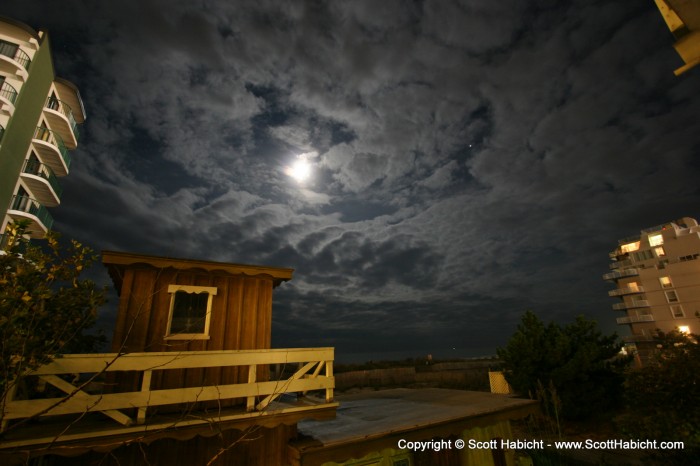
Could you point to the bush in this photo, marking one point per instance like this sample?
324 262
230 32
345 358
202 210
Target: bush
578 361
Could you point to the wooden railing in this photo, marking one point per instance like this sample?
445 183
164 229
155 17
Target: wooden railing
315 372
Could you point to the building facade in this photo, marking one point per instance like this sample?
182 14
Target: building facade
39 117
657 277
683 20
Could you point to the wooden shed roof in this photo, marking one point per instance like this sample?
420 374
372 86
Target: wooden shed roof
372 421
116 262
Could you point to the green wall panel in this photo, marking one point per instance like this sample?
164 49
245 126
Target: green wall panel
20 128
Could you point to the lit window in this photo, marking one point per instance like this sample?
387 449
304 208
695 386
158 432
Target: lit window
656 240
677 311
190 312
665 282
671 296
629 247
659 251
684 329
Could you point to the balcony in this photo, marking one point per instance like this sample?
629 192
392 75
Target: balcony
52 150
621 264
26 208
626 290
14 60
103 414
8 97
61 119
42 182
635 319
617 274
631 305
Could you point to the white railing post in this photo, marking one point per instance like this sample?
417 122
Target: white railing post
252 378
145 387
329 374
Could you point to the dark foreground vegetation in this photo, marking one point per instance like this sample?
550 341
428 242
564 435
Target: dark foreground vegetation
590 390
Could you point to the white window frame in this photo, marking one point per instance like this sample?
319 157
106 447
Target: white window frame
673 312
172 289
666 285
671 292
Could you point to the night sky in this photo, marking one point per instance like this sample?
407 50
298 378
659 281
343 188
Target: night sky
466 161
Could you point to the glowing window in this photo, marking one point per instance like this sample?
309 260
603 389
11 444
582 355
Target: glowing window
656 240
190 312
629 247
665 282
659 251
677 311
684 329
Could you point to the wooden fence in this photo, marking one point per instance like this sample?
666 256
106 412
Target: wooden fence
315 372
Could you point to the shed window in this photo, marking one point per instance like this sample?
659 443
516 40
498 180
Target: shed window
190 312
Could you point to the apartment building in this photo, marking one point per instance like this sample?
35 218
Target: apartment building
657 277
39 117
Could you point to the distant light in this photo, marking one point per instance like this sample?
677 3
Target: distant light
300 170
684 329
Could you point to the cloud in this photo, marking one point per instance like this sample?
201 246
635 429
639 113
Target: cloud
470 159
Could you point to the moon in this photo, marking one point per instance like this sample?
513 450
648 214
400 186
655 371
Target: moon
300 170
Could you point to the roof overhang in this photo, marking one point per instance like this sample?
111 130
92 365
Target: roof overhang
118 262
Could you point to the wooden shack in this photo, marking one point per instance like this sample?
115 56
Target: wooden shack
168 304
234 302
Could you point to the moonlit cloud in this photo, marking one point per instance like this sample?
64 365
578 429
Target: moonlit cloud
465 161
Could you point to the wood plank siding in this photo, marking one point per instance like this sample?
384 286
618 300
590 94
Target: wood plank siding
241 312
256 446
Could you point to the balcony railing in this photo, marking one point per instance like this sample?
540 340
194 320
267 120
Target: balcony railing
617 274
315 372
13 51
631 305
626 290
8 92
620 264
34 167
32 207
46 135
63 108
635 319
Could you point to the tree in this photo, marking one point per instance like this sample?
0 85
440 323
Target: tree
662 398
45 305
577 360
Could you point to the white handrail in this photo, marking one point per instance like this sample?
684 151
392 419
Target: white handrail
308 378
